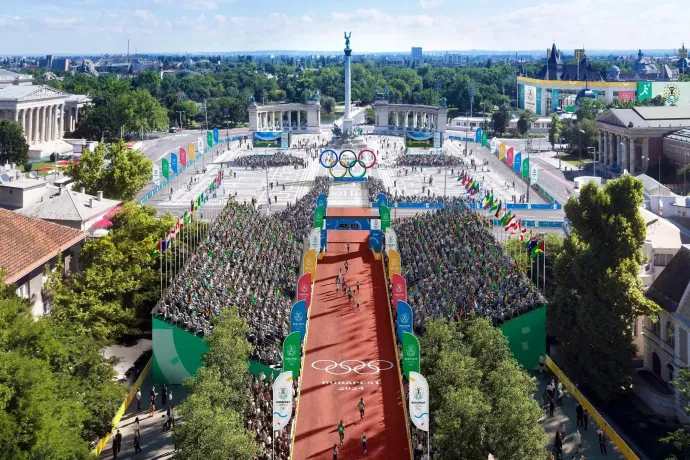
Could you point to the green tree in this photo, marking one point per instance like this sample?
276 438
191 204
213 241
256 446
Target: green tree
554 246
598 292
525 121
589 109
128 172
477 389
555 130
87 173
140 110
327 104
13 146
190 111
680 438
500 120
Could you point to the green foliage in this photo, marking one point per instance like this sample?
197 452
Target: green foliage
119 285
525 121
128 172
680 438
369 116
213 425
589 109
555 130
479 391
13 146
554 247
598 292
328 105
500 120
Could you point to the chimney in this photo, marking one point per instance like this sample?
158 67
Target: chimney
82 190
18 174
90 202
99 195
59 191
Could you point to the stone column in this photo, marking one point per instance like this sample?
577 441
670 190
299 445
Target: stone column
601 147
347 119
299 119
273 120
52 117
22 115
61 121
40 123
632 156
414 120
645 154
623 154
28 130
46 124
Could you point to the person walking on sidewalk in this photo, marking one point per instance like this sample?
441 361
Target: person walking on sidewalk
579 411
137 441
341 431
361 408
164 394
348 247
335 452
357 303
139 400
602 441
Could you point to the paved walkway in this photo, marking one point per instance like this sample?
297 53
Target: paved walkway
155 443
565 418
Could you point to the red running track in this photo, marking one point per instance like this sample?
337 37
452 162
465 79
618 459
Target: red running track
337 332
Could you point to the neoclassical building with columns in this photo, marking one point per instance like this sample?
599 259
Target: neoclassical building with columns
632 139
44 113
408 117
297 118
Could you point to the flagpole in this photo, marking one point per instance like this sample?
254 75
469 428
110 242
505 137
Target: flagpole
160 265
544 256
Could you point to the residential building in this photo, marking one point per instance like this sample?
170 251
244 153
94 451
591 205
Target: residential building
416 55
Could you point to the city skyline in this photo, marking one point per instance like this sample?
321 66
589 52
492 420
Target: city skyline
227 26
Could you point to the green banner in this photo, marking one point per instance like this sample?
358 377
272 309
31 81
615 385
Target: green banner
256 368
410 354
385 214
484 138
165 168
527 337
525 168
209 138
319 214
292 354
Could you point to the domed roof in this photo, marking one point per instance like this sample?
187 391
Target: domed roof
584 93
614 68
614 73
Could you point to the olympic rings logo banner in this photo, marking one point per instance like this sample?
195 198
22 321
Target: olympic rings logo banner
345 367
348 159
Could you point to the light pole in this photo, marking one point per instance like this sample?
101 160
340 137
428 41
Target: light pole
205 109
685 170
180 112
528 147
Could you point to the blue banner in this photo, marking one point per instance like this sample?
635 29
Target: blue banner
521 97
375 240
517 163
539 101
554 99
173 162
324 239
321 200
382 200
215 135
404 319
298 318
478 135
348 223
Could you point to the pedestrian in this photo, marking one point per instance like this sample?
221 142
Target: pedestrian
341 431
172 415
602 441
138 399
349 295
357 286
559 399
579 411
558 444
364 443
136 424
137 441
117 443
152 408
361 408
153 394
346 266
551 406
577 439
585 419
335 451
169 397
357 303
164 394
348 247
541 363
166 420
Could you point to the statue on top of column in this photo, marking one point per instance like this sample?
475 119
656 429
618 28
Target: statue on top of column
347 39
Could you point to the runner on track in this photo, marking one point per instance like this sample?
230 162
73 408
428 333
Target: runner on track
357 285
349 295
341 433
346 266
361 408
364 442
357 303
335 452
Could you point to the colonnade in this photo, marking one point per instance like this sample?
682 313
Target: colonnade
268 120
620 150
43 123
413 119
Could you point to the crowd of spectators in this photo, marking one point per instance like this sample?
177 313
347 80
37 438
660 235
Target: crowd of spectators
375 187
278 159
428 160
300 216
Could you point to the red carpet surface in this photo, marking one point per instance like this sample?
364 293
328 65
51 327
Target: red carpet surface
350 355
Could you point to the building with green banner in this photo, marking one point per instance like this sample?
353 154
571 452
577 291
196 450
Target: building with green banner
527 337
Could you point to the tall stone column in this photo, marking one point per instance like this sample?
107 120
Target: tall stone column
28 131
347 117
645 154
61 122
622 153
601 147
40 124
414 120
633 156
53 122
299 119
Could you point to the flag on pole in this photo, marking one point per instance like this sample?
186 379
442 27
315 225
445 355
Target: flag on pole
582 131
539 249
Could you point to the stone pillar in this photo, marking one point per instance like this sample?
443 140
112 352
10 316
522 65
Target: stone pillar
273 120
41 124
61 122
299 119
28 130
76 118
622 154
53 122
632 156
645 154
347 118
414 120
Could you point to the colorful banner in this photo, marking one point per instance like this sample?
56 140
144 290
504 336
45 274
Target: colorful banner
267 139
310 263
534 175
391 239
419 139
321 200
282 401
493 145
517 163
199 146
183 157
485 137
410 354
216 136
404 318
644 90
375 237
530 98
538 111
304 289
285 140
525 168
385 213
419 401
625 96
209 139
399 289
190 148
156 174
298 319
437 140
173 162
478 135
315 239
521 97
393 263
324 241
673 92
555 104
381 200
509 160
319 214
502 149
291 354
165 168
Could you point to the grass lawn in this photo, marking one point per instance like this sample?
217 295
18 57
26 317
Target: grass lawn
573 158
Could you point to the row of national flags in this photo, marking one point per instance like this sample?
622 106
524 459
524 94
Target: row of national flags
471 185
535 245
509 221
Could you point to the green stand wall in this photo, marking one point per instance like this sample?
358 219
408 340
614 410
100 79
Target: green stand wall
527 337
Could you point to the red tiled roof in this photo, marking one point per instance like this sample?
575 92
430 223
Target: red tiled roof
27 243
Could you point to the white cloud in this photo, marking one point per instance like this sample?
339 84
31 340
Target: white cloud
220 18
201 5
431 3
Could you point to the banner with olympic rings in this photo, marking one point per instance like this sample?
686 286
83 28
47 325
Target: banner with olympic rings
341 164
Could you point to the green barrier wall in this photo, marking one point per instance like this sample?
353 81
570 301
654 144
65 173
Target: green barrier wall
527 337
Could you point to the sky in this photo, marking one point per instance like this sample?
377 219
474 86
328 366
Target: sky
35 27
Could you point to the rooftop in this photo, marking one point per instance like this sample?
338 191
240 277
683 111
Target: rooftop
668 289
28 92
27 243
660 232
69 205
648 117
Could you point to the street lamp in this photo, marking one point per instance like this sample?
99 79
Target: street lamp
528 147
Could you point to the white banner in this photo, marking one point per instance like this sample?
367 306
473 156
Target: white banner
419 401
199 146
315 239
156 174
376 224
534 174
391 239
282 401
531 98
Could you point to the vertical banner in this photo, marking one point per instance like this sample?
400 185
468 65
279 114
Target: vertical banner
538 111
410 354
393 263
216 136
382 200
282 401
156 174
404 319
521 97
319 214
165 168
419 401
315 239
399 289
304 289
190 148
493 145
291 354
183 157
385 213
555 103
478 135
525 168
517 163
534 174
502 149
285 140
209 139
509 159
391 240
375 236
310 263
298 319
437 140
324 240
199 146
321 200
485 138
173 162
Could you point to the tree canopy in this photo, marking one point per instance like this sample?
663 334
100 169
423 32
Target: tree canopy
525 121
598 292
554 246
13 146
500 120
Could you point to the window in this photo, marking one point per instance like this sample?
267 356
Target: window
656 328
670 334
634 327
661 260
683 339
670 374
23 290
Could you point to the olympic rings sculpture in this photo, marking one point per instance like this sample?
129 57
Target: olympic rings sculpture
347 163
372 367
